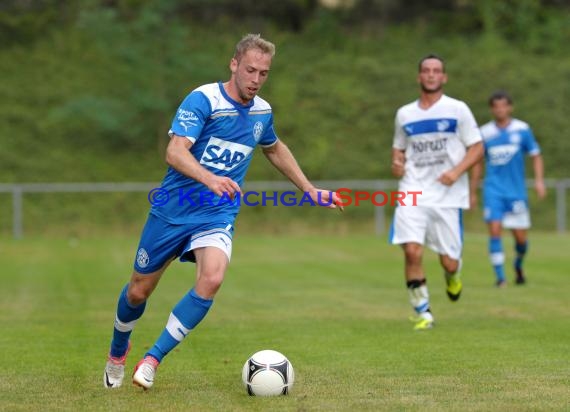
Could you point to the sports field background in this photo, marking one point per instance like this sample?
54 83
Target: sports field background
88 92
335 305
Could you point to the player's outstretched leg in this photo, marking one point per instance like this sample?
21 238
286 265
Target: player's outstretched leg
125 320
184 317
520 250
497 258
419 299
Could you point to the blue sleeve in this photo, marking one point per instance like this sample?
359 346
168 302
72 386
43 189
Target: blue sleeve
531 147
191 116
269 136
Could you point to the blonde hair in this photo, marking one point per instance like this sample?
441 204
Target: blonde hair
253 41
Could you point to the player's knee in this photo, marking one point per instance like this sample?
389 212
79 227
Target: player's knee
413 254
210 282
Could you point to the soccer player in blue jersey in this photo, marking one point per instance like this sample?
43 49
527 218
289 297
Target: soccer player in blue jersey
436 140
507 140
212 138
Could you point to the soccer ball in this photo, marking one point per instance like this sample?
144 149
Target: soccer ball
268 373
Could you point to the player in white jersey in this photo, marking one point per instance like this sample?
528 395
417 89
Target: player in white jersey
213 136
436 141
507 141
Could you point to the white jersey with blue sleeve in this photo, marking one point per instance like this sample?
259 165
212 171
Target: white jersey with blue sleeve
224 134
505 149
435 140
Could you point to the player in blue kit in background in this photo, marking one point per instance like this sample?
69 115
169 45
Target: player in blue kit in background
507 140
213 135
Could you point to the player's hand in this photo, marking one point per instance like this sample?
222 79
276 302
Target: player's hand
398 168
221 184
448 178
540 189
326 198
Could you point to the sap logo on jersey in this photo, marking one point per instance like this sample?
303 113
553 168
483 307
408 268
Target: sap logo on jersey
224 155
502 154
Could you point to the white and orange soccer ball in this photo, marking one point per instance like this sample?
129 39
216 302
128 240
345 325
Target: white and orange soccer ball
268 373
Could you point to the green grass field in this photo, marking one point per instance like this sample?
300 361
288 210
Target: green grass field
336 306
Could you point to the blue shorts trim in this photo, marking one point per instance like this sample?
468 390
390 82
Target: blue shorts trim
161 241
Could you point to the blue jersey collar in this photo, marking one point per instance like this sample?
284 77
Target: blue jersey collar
238 105
503 128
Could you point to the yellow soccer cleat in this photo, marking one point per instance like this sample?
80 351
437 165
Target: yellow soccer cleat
422 322
454 286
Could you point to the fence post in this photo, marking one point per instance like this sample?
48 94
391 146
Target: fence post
561 206
17 216
379 219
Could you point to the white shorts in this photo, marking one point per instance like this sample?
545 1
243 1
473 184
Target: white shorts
219 238
516 220
441 229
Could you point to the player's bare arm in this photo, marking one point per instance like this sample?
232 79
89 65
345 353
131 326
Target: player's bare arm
474 180
398 162
474 155
538 166
281 157
179 157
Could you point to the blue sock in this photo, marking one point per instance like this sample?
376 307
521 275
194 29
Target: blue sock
497 257
520 249
125 320
184 317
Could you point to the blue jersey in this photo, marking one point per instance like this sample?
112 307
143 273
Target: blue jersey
224 134
504 157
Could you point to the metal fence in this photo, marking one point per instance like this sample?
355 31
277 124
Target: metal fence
18 191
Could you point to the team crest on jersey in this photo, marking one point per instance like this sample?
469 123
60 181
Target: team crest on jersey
142 258
515 138
442 125
257 131
224 155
